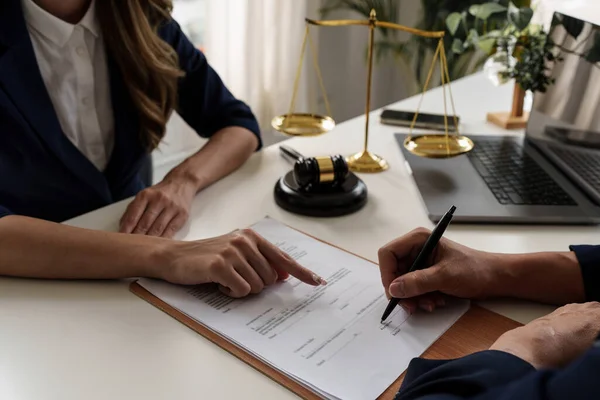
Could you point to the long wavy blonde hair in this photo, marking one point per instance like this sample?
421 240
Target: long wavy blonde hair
149 65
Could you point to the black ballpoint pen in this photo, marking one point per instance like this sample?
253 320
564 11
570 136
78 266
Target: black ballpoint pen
424 254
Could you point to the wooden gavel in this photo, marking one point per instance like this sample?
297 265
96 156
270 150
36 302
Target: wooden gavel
316 171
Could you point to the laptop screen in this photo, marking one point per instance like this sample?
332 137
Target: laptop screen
569 111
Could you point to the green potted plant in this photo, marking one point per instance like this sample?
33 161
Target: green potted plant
517 49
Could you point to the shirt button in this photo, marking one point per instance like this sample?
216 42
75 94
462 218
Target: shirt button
80 50
85 101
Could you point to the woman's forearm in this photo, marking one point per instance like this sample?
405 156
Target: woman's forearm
34 248
225 152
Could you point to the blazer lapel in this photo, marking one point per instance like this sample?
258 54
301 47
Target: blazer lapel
21 80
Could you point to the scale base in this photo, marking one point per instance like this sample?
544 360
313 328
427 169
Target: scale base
324 201
365 161
506 121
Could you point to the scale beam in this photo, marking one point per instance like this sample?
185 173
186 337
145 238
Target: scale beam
377 24
424 145
340 22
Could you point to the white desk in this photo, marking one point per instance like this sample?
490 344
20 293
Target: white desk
95 340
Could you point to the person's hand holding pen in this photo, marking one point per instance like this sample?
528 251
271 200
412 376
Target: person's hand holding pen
459 271
453 270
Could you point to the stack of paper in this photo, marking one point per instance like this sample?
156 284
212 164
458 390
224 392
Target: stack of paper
328 338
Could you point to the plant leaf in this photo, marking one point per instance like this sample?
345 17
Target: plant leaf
593 55
495 34
473 36
573 26
472 39
453 22
519 17
487 44
484 11
457 46
474 9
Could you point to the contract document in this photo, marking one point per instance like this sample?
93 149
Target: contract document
330 338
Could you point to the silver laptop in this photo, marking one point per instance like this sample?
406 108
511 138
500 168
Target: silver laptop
549 176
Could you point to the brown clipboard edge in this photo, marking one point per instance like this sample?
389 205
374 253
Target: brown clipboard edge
475 331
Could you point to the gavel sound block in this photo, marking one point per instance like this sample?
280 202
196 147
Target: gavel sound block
320 187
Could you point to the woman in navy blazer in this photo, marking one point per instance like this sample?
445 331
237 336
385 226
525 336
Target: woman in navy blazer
553 357
133 56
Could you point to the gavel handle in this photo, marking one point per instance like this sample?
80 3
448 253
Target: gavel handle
290 154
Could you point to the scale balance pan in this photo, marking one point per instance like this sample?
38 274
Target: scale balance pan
321 201
303 124
438 146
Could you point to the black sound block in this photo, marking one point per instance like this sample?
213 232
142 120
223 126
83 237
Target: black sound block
321 201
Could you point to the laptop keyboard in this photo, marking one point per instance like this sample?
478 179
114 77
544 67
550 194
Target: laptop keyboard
586 165
514 177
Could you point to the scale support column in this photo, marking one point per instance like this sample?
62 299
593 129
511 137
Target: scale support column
365 161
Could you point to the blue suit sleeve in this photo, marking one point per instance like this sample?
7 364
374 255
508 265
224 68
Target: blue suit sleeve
462 378
493 375
589 260
205 103
4 212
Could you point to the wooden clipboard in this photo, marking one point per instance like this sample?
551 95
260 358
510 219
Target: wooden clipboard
475 331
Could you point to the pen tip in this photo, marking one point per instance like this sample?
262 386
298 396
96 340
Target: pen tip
452 209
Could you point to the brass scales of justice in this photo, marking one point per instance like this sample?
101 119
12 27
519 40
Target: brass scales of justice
424 145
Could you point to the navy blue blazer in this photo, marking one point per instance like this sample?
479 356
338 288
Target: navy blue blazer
495 375
42 174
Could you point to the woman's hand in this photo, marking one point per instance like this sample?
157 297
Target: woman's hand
163 209
459 271
160 210
241 263
555 340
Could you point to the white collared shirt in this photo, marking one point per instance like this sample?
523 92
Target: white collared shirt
72 62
